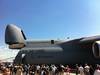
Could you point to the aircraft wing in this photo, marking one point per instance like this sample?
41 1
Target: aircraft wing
91 44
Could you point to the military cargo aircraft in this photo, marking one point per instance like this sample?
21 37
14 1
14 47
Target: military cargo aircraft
82 50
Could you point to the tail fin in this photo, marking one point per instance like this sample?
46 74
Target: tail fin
14 37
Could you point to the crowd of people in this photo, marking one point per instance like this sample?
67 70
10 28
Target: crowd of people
44 69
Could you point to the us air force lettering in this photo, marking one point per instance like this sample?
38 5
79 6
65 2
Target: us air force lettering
82 50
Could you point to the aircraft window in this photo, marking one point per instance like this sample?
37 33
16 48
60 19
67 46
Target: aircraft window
23 35
52 41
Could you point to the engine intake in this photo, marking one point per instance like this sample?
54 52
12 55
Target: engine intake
96 49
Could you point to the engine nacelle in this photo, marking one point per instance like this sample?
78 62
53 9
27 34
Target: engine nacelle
14 37
96 49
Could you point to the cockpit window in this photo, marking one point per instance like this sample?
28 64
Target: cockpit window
23 35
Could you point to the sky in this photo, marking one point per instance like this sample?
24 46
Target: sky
50 19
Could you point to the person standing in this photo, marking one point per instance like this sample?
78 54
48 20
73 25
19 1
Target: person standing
19 70
97 71
67 70
6 71
81 70
86 70
91 70
38 69
76 70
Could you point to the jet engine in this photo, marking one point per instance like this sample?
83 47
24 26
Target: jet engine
14 37
96 49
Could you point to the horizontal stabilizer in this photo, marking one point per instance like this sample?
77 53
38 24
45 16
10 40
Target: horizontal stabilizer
16 46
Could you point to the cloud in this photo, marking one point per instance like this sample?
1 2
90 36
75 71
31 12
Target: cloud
6 53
